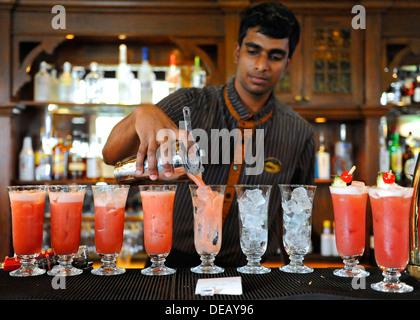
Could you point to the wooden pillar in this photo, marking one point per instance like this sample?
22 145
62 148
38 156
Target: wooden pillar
5 47
232 10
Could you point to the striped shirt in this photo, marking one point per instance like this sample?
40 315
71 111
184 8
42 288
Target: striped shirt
287 137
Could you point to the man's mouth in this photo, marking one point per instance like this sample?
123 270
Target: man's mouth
258 80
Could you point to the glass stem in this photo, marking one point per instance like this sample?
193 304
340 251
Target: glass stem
207 260
158 262
108 261
65 261
350 264
28 264
392 278
296 260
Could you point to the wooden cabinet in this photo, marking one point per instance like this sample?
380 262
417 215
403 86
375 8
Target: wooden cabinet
326 70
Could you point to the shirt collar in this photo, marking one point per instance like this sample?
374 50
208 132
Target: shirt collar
240 108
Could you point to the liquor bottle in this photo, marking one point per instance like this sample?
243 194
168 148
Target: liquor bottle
60 159
343 151
42 160
416 88
198 76
124 76
174 75
93 84
27 161
42 83
384 157
147 78
396 154
76 162
54 86
406 93
322 160
65 84
408 161
326 249
94 160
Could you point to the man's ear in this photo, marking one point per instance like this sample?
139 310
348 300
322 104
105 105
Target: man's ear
289 60
236 53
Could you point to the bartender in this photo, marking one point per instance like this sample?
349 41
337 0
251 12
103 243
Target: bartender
268 36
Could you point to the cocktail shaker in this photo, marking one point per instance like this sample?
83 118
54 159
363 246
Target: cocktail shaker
413 266
183 161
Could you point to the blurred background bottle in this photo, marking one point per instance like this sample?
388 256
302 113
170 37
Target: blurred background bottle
65 84
174 74
27 161
42 83
198 75
322 160
343 150
147 78
395 153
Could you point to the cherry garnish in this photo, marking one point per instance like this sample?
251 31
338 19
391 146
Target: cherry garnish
346 176
388 177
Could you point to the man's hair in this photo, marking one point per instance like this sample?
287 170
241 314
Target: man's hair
274 20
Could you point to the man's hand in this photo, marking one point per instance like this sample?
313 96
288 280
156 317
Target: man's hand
149 120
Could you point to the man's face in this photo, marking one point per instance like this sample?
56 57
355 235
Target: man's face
262 62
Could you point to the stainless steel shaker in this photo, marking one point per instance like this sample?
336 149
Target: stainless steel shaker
182 162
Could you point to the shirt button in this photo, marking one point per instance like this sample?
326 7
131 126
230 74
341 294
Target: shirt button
235 167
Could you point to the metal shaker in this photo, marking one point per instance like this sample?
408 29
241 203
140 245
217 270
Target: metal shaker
125 170
413 266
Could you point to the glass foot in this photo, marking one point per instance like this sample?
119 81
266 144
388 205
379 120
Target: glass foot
351 273
108 267
296 269
158 271
27 272
391 282
254 269
207 269
64 271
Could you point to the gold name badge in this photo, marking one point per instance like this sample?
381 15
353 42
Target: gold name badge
272 165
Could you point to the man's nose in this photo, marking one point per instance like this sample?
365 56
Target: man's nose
262 63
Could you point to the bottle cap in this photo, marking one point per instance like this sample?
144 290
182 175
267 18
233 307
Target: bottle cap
327 223
172 59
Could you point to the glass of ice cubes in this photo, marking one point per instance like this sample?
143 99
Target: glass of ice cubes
297 203
253 232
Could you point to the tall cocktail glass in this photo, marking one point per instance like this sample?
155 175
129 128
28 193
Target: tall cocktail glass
66 203
109 202
349 204
158 205
27 207
297 203
391 214
208 209
253 228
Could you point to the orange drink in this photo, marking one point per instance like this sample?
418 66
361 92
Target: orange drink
391 213
109 202
66 203
27 207
208 210
158 204
349 204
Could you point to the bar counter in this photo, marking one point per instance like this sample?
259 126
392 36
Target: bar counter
132 285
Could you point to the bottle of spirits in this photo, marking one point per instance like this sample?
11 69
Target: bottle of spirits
343 151
42 83
54 86
416 88
27 161
124 76
408 161
174 74
198 76
396 154
93 84
322 160
147 78
326 249
384 157
42 160
60 159
65 84
76 163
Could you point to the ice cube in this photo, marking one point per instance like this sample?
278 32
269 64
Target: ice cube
256 196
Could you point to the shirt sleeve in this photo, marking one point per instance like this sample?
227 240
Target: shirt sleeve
305 170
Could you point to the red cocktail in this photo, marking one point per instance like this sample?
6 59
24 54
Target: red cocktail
391 212
27 206
66 203
110 202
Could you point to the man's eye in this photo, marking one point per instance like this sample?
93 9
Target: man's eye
276 57
252 51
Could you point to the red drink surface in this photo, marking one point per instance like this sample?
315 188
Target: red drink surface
27 222
391 229
157 215
109 229
66 219
350 221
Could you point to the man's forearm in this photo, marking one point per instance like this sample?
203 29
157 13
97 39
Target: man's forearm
122 142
